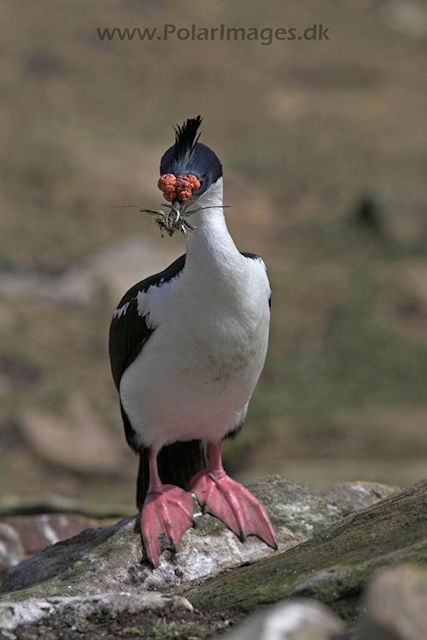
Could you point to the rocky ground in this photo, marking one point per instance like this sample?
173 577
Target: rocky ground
98 582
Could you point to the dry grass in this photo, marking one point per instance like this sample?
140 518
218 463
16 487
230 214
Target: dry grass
303 129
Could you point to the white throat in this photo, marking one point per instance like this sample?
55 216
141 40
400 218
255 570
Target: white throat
210 243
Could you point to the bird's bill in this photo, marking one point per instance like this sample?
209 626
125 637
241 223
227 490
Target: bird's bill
183 208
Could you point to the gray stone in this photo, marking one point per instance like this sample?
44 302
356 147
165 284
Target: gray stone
333 567
79 442
75 612
113 270
11 549
39 531
42 505
410 18
296 620
396 216
109 559
395 605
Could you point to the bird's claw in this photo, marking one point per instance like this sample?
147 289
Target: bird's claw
229 501
164 519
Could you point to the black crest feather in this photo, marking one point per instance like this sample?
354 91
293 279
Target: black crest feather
188 155
185 137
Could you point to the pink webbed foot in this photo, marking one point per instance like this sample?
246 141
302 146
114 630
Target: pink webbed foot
165 516
229 501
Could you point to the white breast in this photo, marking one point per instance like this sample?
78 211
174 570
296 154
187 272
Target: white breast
195 375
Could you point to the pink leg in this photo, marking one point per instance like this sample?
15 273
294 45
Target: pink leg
230 501
166 514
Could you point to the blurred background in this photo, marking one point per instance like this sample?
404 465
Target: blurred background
324 151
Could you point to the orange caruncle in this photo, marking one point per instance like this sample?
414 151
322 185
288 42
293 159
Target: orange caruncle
167 184
181 188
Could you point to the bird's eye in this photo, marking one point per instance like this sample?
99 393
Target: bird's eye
202 183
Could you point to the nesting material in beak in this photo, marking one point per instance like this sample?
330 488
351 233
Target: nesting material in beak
170 221
176 191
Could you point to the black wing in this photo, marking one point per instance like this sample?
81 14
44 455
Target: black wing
128 330
177 462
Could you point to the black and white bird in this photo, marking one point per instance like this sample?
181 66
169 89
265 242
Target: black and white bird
187 347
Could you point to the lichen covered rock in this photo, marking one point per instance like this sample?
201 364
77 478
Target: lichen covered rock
111 559
332 567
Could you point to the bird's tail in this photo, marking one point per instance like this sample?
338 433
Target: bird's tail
177 464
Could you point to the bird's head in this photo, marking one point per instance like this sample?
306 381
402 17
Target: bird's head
189 168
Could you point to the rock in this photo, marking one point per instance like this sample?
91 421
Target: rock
38 532
352 496
109 559
396 217
403 302
40 62
17 373
410 18
333 566
118 267
408 278
64 290
17 506
395 605
80 613
295 620
11 549
79 442
113 269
